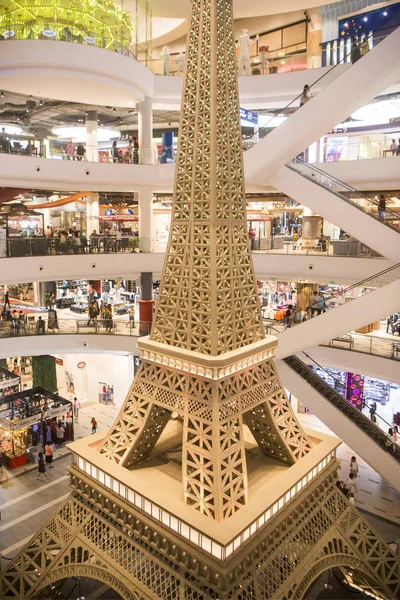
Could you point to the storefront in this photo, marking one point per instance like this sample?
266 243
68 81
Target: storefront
21 231
28 418
74 294
10 383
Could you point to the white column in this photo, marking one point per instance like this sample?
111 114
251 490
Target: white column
146 236
145 123
38 293
314 39
92 148
92 214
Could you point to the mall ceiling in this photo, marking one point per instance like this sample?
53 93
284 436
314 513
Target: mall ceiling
40 116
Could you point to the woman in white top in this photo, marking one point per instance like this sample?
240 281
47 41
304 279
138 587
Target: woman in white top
351 487
354 466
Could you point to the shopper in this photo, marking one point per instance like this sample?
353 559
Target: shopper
94 425
80 152
355 52
114 152
382 207
354 466
390 442
22 364
48 451
393 147
375 421
41 467
322 306
322 243
7 300
364 46
60 431
70 150
372 410
305 95
40 326
76 408
351 488
314 302
289 316
93 313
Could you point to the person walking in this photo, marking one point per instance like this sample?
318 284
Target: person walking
306 95
382 207
41 467
114 151
94 425
314 302
393 147
7 300
76 408
354 466
351 488
48 451
355 52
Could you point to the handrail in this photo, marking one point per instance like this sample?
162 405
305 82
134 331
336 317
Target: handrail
343 60
340 384
361 283
369 425
342 184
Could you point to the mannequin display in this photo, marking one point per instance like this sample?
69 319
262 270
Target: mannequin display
180 61
244 52
165 61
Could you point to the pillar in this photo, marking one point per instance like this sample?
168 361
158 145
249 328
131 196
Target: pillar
92 214
145 125
146 237
38 293
92 148
314 39
146 303
311 225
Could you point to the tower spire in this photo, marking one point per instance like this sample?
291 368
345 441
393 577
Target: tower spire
208 358
208 301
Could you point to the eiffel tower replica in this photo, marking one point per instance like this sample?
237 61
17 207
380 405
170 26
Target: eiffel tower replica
206 487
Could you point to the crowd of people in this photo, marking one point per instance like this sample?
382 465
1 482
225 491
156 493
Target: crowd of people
104 312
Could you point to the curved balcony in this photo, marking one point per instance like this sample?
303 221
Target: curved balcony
129 265
73 72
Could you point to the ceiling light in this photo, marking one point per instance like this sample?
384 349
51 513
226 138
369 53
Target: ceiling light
9 33
365 19
49 33
385 13
346 24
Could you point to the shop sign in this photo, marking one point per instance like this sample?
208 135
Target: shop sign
249 116
54 412
119 218
81 365
59 361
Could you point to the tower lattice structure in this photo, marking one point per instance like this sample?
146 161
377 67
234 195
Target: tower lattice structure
209 363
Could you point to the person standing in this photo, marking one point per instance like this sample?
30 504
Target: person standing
41 467
314 303
70 150
93 422
355 52
382 207
305 95
364 46
351 488
393 147
60 434
80 152
48 451
354 466
76 408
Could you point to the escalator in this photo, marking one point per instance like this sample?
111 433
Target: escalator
367 301
341 204
367 439
358 85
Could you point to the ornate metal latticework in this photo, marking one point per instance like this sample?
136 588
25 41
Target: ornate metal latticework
96 537
208 361
208 303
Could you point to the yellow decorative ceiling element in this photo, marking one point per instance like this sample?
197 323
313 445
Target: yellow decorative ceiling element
94 22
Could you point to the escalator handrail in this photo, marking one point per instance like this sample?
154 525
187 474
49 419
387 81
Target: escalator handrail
365 405
349 288
342 61
349 406
360 194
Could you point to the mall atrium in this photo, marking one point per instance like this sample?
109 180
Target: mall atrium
200 300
